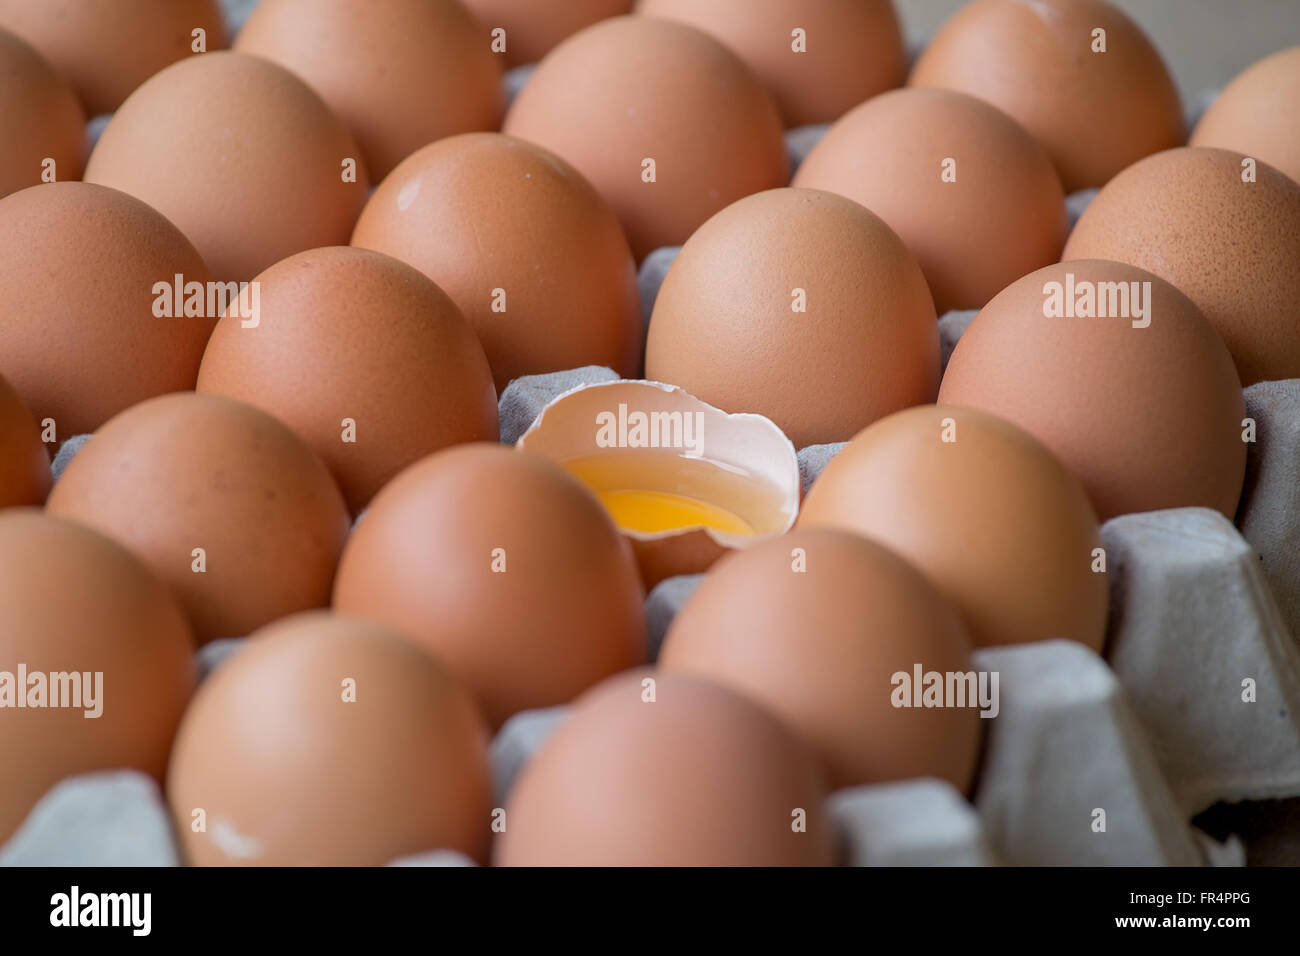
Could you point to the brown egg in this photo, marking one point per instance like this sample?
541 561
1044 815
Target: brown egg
534 27
227 505
1256 114
984 510
667 123
363 357
505 568
802 306
24 462
820 58
972 194
109 49
814 626
526 247
1231 246
241 155
329 742
681 773
77 606
1146 411
1096 101
86 331
400 73
41 120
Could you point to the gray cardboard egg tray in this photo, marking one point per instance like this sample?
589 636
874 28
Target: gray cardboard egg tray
1196 703
1153 734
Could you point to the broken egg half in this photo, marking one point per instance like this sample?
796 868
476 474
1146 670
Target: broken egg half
684 481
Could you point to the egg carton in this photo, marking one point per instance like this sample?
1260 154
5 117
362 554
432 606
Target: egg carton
1160 730
1085 764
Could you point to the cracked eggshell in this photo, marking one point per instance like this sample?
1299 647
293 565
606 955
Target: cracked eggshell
566 429
330 741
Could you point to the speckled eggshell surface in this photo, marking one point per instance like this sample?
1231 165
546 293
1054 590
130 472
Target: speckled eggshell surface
529 251
73 601
695 776
985 511
1094 111
634 89
107 48
820 58
812 626
80 337
329 741
972 194
184 472
1256 115
1231 246
241 155
1148 416
24 463
400 73
729 329
40 119
506 569
364 357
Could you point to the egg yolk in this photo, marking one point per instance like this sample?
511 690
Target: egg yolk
652 511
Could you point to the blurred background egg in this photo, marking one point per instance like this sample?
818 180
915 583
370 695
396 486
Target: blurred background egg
1256 114
534 27
988 513
241 155
526 247
24 462
326 741
365 358
820 58
73 602
227 505
802 306
107 49
399 73
668 124
812 626
41 120
505 568
1095 110
678 773
972 194
86 333
1149 416
1225 232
